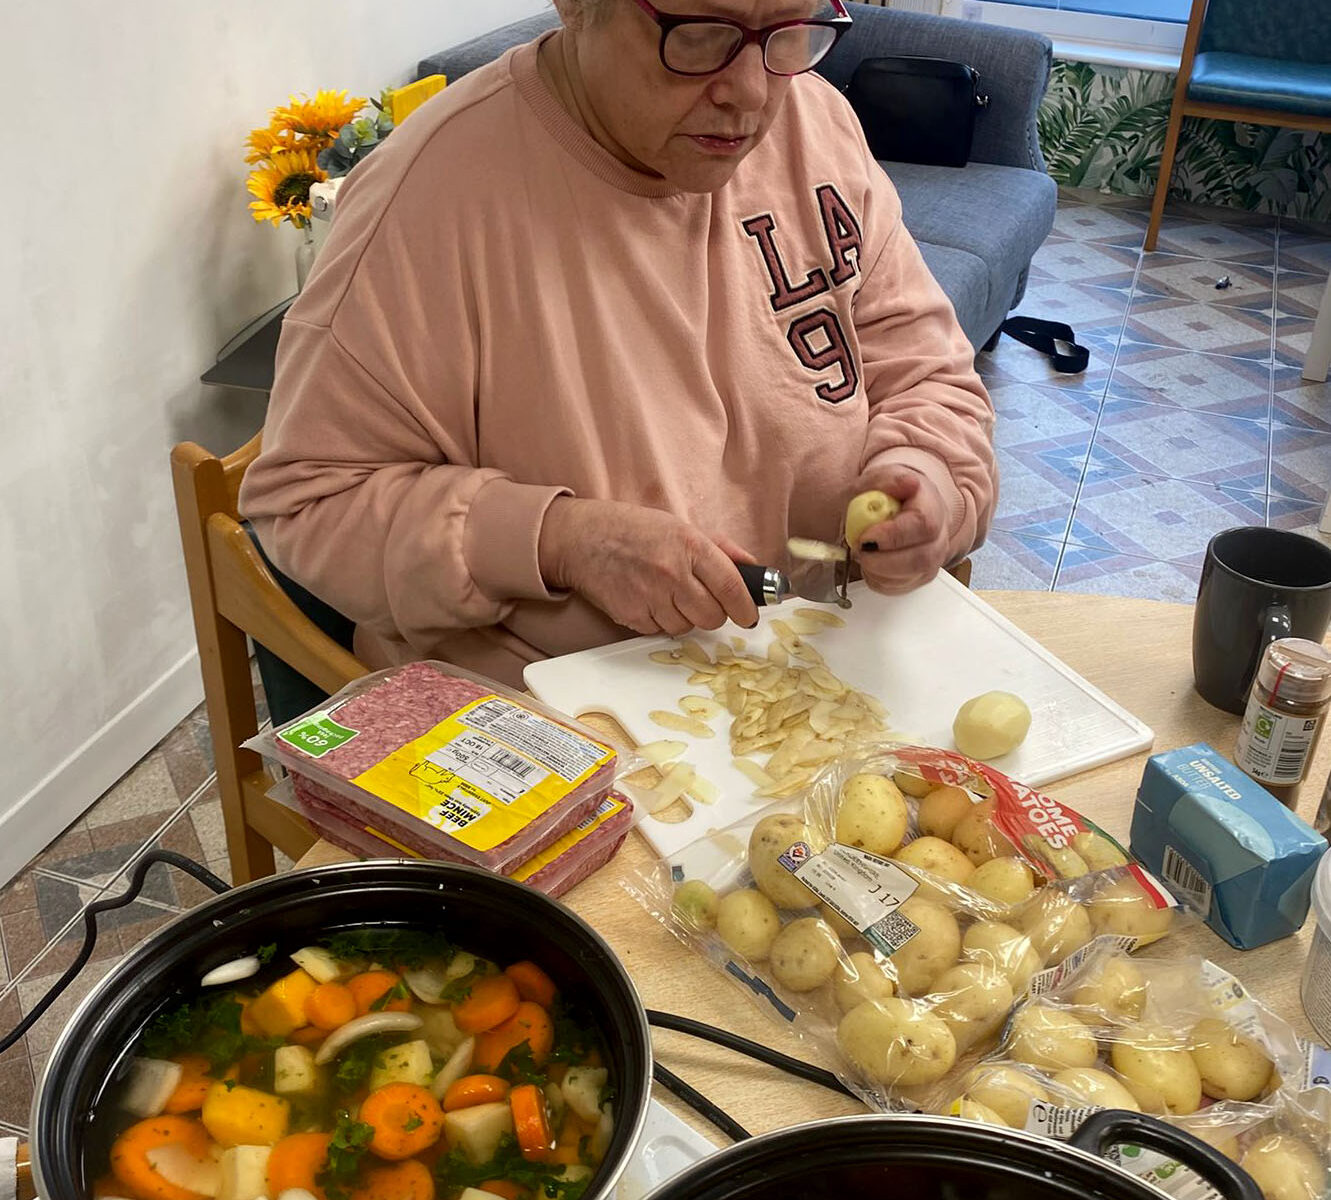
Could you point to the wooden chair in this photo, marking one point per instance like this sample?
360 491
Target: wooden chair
234 595
1267 62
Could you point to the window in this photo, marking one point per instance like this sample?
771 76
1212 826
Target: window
1144 10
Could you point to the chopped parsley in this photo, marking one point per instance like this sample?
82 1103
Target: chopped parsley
454 1172
397 992
412 1122
209 1026
396 947
345 1151
265 953
519 1066
574 1041
356 1062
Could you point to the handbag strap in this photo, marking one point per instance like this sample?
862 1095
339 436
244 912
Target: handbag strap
1051 338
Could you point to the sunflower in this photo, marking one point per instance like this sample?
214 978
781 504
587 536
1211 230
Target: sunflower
281 187
320 118
262 144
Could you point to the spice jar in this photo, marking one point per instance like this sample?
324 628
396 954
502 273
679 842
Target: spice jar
1286 710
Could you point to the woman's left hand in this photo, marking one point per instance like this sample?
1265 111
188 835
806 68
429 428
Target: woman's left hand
913 546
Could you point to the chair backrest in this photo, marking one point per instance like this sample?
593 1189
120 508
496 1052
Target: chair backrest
1288 30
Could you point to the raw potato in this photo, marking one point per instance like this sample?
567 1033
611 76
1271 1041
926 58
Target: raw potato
1091 1086
1232 1067
937 857
771 838
1117 990
941 809
1123 908
748 923
976 837
1098 852
1056 924
931 951
1005 881
1051 1039
1007 950
897 1042
1220 1137
973 1110
872 815
1285 1168
804 955
974 999
696 905
1157 1070
913 785
864 979
840 926
991 725
1008 1091
866 510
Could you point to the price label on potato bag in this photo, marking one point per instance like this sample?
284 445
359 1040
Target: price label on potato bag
860 887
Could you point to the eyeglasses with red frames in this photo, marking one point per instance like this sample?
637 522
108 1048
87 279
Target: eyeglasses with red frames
706 45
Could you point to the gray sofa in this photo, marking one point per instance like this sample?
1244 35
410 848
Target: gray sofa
978 226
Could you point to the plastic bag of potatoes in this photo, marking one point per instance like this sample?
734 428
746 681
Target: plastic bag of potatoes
892 968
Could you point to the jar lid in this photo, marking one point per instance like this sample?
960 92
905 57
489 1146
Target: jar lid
1297 670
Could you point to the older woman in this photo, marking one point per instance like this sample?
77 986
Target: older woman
626 306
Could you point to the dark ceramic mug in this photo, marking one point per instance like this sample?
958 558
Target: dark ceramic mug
1257 585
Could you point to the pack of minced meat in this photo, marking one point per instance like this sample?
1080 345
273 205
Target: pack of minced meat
451 765
591 844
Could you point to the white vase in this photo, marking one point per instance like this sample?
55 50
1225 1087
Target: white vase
304 255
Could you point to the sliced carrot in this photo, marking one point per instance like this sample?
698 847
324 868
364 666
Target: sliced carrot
530 1023
493 999
330 1006
531 1122
295 1162
307 1035
410 1180
107 1185
505 1188
194 1083
129 1155
406 1119
369 987
471 1090
532 983
568 1146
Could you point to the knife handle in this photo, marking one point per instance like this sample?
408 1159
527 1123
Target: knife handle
766 585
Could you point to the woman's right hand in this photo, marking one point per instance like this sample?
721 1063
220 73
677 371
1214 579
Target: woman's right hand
646 569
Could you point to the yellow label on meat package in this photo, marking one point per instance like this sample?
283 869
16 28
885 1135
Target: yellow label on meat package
608 807
485 773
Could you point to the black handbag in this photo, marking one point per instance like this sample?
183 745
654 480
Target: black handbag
917 110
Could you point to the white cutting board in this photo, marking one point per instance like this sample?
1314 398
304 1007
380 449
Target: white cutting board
921 655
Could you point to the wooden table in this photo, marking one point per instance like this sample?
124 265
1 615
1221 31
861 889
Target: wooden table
1136 651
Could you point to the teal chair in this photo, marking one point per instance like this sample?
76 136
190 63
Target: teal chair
1263 61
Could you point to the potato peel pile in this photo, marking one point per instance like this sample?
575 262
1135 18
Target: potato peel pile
784 706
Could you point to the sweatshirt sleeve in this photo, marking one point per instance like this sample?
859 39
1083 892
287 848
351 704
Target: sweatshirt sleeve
368 490
928 409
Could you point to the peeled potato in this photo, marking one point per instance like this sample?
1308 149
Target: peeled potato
937 857
1157 1070
973 1110
1232 1067
991 725
872 815
1097 851
941 809
1091 1086
866 510
974 1000
1285 1168
864 979
840 926
748 923
1005 880
898 1042
696 905
804 955
770 839
931 951
1123 908
976 837
1117 990
1056 924
912 785
1007 950
1051 1039
1004 1090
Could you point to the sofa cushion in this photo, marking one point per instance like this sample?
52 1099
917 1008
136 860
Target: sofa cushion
965 279
457 61
1001 215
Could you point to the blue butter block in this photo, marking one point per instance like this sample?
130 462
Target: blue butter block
1224 844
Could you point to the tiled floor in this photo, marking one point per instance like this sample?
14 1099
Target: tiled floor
1192 416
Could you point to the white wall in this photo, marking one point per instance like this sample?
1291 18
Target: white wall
127 258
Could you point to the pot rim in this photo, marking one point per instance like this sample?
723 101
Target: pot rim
642 1029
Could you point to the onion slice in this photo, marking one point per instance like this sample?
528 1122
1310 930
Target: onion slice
361 1027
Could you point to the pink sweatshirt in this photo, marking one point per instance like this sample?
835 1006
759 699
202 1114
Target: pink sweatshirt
504 313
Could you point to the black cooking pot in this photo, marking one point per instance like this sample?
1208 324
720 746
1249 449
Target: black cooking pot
941 1158
486 913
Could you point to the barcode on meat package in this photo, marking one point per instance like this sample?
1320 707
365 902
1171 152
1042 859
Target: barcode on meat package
1185 878
515 763
558 749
